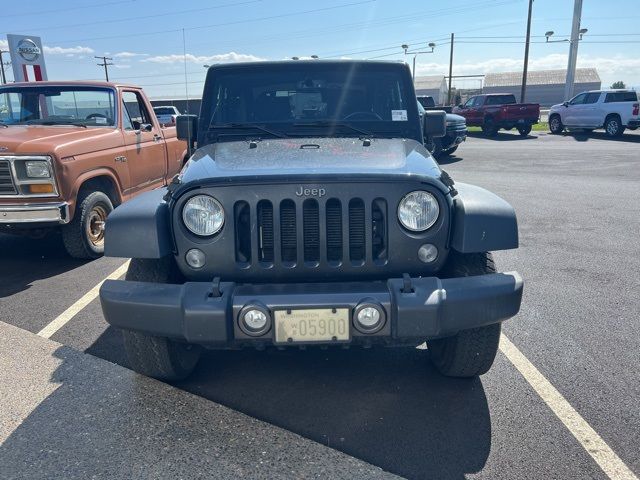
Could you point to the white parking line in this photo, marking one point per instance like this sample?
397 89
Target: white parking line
74 309
595 446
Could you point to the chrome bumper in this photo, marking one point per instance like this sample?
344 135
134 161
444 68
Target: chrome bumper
35 213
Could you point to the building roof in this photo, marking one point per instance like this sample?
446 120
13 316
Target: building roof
540 77
428 82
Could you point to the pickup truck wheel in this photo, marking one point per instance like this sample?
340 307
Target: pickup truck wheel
555 125
435 148
471 352
489 127
613 126
83 237
450 151
524 131
157 357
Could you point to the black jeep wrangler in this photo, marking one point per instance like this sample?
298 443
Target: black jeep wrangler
311 214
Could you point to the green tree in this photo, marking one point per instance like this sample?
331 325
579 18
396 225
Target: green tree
618 84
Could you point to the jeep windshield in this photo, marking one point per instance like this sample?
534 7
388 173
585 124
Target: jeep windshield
58 105
309 99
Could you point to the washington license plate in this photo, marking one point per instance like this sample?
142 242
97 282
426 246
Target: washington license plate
312 325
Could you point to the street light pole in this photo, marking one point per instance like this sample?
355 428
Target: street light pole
526 55
2 64
573 50
450 71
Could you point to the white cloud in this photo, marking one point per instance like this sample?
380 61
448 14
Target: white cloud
220 58
128 55
66 50
120 66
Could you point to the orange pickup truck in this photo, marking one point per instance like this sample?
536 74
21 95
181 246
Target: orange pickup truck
70 152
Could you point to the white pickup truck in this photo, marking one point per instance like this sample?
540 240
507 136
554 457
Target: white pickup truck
613 110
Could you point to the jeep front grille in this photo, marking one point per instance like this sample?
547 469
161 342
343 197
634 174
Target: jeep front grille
7 186
312 232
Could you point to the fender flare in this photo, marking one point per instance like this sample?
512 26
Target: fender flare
482 221
139 228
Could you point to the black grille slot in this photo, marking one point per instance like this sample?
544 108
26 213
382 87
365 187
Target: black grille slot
265 231
356 230
242 216
334 230
379 229
6 180
288 234
311 230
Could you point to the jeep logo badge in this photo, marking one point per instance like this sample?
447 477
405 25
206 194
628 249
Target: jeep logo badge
310 192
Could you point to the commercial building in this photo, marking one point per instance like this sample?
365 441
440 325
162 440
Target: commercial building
545 87
435 86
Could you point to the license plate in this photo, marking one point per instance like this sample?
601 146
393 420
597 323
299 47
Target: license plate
312 325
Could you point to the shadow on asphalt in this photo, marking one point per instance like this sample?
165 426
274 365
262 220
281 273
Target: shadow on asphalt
388 407
25 260
503 136
449 159
586 136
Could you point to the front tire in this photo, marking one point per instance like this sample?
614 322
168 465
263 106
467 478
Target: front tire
489 127
470 352
555 125
83 237
158 357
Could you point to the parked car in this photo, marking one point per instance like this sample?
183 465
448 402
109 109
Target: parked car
71 151
613 110
311 216
428 103
456 134
166 114
494 111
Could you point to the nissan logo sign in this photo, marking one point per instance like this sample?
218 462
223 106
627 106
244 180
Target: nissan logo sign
28 50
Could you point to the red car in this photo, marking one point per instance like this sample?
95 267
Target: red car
499 110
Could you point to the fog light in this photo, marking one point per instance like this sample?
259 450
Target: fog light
255 320
195 258
427 253
369 318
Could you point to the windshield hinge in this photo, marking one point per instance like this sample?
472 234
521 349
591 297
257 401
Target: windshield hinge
448 181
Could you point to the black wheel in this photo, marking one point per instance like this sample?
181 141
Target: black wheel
632 128
158 357
524 131
555 125
471 352
489 127
83 237
450 151
435 147
613 126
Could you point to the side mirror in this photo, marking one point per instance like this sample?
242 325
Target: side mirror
435 124
146 127
566 104
187 129
461 106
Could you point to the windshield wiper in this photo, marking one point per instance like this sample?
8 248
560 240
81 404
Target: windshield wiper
324 123
248 126
54 122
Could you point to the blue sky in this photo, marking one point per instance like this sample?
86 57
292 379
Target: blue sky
145 37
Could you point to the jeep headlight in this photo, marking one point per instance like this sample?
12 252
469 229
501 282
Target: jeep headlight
203 215
418 211
37 169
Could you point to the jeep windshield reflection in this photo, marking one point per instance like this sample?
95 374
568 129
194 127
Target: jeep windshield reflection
310 99
57 105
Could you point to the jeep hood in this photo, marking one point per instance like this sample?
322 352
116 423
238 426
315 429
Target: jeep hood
61 141
310 159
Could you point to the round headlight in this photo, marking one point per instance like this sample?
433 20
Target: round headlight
418 211
203 215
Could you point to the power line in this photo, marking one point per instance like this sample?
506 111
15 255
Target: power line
59 10
105 64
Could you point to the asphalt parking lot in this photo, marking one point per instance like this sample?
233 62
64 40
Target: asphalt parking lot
578 204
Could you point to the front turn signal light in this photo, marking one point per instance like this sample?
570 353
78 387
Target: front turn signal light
41 188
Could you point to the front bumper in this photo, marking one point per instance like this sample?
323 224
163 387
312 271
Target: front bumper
41 213
416 309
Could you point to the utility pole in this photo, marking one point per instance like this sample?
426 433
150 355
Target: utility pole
105 64
450 71
573 50
2 65
526 55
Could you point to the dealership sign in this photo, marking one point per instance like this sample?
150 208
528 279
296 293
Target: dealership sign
27 58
